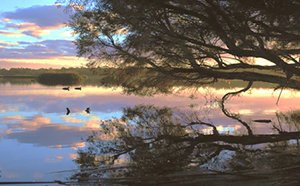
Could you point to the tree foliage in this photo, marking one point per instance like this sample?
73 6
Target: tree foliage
199 41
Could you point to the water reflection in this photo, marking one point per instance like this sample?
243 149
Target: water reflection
37 137
153 145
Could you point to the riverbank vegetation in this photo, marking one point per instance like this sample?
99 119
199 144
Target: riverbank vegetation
139 81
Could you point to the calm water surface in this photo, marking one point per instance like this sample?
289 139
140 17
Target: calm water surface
37 138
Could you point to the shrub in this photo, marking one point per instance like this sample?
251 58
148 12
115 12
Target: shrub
68 78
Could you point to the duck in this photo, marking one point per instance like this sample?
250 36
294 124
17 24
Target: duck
88 110
68 111
77 88
66 88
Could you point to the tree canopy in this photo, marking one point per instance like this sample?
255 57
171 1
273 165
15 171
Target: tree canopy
195 40
199 42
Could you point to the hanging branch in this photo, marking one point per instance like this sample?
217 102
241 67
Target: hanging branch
233 116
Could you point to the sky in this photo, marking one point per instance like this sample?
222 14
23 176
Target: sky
33 35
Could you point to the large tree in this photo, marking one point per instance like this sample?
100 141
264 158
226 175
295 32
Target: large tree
195 40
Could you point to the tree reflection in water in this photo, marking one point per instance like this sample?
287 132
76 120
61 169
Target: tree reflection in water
152 145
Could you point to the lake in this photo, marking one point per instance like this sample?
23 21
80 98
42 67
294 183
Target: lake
38 138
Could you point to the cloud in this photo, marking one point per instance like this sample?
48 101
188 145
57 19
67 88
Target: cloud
93 123
45 49
71 119
9 119
77 145
6 20
8 131
29 29
5 44
52 135
33 123
73 155
46 17
36 21
11 34
53 159
67 34
40 131
7 64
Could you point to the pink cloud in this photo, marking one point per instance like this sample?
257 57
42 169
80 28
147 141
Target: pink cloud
8 119
51 135
36 122
77 145
93 123
73 156
46 49
11 34
9 64
2 43
71 119
52 159
46 17
36 20
33 29
29 29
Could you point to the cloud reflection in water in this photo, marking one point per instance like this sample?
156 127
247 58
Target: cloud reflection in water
33 119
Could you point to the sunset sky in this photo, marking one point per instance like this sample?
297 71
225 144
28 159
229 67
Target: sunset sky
33 35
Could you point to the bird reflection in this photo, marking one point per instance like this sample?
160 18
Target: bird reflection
66 88
88 110
68 111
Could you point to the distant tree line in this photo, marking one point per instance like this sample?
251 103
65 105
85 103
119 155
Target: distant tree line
139 81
